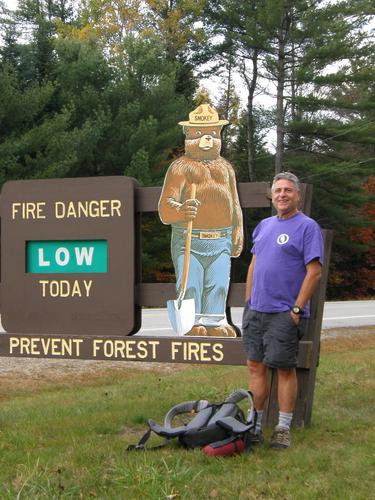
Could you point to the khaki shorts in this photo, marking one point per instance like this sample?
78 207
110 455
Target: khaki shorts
272 338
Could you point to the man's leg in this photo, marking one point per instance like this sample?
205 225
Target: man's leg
286 396
259 387
258 382
286 389
281 349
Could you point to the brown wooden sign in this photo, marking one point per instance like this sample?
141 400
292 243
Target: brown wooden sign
68 261
47 315
199 350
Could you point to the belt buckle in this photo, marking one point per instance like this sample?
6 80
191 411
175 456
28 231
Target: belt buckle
209 235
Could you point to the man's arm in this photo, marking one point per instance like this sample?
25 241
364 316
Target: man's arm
249 280
313 275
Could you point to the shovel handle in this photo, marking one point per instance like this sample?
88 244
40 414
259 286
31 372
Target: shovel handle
189 228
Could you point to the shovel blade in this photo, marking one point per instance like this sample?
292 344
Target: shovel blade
181 318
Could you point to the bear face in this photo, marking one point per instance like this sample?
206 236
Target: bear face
203 143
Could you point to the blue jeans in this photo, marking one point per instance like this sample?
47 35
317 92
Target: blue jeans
209 273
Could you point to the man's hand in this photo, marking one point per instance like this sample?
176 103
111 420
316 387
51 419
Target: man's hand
295 317
189 209
313 274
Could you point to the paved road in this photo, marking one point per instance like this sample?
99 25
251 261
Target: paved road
335 315
351 313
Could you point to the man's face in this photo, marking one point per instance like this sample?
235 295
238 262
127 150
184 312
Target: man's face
285 197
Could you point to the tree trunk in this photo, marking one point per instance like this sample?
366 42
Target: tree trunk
294 139
280 115
227 104
251 86
283 36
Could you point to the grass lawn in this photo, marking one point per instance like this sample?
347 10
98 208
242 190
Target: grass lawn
65 437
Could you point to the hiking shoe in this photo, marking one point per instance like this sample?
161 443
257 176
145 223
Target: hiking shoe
256 438
280 438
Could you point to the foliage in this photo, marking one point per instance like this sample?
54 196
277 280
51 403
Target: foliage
363 262
330 139
98 87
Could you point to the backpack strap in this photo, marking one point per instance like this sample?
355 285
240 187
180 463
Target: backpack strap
238 396
233 425
203 410
140 446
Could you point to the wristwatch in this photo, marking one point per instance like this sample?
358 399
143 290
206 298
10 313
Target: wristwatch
297 310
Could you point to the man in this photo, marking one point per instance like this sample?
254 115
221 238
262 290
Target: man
283 273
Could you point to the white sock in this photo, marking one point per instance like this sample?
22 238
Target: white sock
285 420
258 425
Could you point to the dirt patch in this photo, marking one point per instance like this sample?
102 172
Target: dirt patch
345 332
29 374
347 339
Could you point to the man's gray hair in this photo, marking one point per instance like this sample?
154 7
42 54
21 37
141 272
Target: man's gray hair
288 176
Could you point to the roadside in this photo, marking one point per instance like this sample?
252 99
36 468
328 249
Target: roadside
348 338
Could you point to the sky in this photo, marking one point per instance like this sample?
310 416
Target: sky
10 3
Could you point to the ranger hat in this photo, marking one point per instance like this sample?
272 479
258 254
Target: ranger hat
204 116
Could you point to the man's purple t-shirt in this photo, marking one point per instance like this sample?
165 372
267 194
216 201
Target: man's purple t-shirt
283 247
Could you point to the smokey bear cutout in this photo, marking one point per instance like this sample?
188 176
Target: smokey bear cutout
199 200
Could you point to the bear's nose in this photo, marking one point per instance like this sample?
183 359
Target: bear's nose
206 142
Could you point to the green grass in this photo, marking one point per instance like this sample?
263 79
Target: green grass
67 440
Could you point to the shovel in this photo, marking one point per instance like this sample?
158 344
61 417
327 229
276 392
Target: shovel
181 312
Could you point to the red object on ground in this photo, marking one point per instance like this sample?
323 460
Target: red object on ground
225 449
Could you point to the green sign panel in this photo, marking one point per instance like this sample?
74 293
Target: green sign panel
71 256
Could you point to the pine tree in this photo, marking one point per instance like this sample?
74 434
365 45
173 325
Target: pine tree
330 136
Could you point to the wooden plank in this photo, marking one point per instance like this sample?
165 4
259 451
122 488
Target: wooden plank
236 295
319 298
306 198
147 199
252 195
157 294
270 414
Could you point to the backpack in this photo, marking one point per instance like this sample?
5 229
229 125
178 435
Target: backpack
220 428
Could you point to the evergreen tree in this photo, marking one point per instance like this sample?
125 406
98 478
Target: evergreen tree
330 138
228 107
239 42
